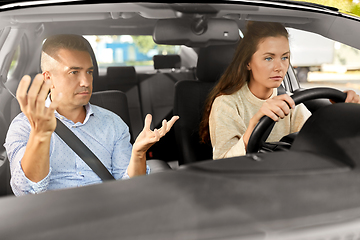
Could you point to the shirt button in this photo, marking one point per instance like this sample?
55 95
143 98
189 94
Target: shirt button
61 118
73 126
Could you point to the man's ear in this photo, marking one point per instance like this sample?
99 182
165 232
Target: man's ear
47 76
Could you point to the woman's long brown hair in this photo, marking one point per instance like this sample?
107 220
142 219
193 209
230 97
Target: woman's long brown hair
237 74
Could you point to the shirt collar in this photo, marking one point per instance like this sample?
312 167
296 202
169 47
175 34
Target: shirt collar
88 109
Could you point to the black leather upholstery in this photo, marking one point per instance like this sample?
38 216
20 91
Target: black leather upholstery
189 102
123 78
213 61
166 61
157 89
116 102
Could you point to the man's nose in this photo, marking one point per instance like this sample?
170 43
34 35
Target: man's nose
85 80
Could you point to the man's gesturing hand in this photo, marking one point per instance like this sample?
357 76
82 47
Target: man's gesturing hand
147 138
32 104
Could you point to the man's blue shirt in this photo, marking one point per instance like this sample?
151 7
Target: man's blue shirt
103 132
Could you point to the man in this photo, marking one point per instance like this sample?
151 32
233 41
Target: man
39 159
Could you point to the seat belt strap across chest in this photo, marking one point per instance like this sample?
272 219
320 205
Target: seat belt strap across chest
82 151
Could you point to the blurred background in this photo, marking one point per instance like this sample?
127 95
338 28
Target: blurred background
319 61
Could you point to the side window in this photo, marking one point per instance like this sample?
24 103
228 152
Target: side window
319 61
14 61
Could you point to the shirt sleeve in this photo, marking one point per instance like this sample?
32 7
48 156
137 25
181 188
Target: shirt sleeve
15 145
122 154
227 128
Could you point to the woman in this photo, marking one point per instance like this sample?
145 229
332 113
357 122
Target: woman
248 90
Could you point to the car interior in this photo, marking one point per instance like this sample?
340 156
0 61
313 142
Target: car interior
324 151
172 87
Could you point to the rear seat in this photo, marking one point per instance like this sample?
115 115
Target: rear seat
124 78
157 91
157 88
151 92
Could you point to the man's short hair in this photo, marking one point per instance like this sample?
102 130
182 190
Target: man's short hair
54 43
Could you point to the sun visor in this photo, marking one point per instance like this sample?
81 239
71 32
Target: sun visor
198 32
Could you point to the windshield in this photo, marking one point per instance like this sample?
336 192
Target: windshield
345 6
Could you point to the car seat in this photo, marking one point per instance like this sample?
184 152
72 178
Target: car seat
157 98
124 78
116 102
189 101
157 90
167 61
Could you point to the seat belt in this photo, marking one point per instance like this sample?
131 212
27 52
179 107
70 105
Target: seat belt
82 151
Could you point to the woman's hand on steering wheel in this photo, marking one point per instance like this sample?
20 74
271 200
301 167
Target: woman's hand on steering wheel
276 107
352 97
258 135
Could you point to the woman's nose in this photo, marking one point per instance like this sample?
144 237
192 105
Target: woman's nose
278 66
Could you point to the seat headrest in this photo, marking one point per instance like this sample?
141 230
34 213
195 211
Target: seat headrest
125 74
93 58
166 61
213 61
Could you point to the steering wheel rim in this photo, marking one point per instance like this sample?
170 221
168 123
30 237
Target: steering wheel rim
264 126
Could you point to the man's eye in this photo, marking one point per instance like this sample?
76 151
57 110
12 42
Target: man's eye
73 72
90 72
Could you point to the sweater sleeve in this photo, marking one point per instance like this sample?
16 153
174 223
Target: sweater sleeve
299 117
226 128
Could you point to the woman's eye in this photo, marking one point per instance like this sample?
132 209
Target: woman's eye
90 72
285 58
268 58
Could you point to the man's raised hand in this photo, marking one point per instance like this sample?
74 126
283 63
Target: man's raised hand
32 104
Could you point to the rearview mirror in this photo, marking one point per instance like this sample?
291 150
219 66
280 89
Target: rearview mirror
197 32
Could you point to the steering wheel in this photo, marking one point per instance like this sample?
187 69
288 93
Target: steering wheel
265 125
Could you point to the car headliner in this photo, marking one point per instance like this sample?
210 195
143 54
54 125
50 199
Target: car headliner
109 18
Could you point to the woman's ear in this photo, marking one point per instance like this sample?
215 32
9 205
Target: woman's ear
248 67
